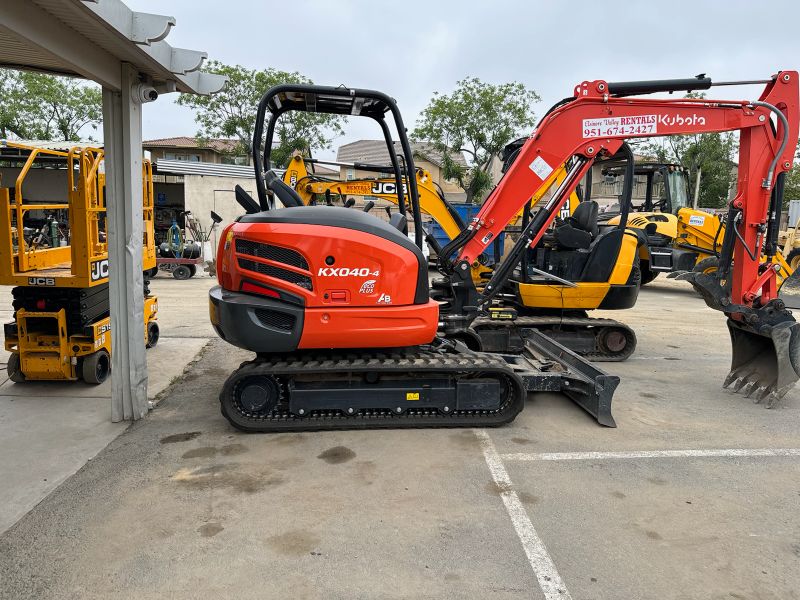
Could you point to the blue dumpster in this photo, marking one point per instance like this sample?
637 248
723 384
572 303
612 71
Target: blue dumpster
466 212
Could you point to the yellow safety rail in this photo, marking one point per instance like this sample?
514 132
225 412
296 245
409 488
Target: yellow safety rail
84 262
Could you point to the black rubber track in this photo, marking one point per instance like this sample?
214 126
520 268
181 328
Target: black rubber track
546 325
284 368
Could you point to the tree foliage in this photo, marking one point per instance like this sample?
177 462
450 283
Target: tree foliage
713 155
478 119
231 113
791 190
47 107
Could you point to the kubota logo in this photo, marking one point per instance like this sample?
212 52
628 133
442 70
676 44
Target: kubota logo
346 272
671 121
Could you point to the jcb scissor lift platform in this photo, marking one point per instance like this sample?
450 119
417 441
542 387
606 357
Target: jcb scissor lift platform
53 248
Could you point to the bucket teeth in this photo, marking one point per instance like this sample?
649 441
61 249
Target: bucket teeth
749 385
729 379
763 361
748 388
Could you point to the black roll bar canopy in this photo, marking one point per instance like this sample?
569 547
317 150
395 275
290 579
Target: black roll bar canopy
337 101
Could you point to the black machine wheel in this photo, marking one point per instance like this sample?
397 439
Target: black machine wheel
192 270
794 259
647 274
152 334
255 396
182 272
14 369
707 265
151 272
96 367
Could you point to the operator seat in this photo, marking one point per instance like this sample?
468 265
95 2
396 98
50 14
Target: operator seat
579 230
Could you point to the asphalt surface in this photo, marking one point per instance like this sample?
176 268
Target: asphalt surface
183 506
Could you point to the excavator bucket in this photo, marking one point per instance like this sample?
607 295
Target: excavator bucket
789 291
765 364
765 359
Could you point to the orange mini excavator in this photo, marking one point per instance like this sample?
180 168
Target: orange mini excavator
335 302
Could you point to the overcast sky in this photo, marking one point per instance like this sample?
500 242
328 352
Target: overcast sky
411 48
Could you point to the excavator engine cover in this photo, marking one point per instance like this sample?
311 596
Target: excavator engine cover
320 277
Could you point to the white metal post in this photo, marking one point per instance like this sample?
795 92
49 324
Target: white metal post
122 131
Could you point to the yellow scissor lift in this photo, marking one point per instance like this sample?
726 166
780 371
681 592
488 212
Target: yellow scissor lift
61 328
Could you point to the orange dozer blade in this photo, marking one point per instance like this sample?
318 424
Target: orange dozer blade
765 364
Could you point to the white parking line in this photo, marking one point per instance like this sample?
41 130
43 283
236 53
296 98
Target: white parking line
723 452
549 580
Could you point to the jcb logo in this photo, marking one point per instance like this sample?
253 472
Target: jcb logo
386 188
103 328
99 270
565 213
41 281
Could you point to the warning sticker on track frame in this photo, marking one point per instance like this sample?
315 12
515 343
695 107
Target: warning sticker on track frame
613 126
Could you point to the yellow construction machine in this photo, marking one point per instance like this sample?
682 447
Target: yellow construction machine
53 249
679 238
552 287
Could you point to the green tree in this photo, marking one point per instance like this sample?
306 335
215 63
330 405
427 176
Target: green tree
231 113
791 190
47 107
478 119
712 155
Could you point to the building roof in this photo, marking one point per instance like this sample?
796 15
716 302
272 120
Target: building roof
183 167
91 39
215 144
375 152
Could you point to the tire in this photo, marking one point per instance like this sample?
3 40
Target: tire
151 272
647 274
96 367
14 369
707 265
794 259
181 272
192 270
152 334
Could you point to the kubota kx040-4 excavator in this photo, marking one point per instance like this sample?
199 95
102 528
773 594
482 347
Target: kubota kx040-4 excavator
335 303
556 308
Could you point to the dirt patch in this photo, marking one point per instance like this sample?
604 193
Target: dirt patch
210 529
203 452
653 535
648 395
294 543
522 441
180 437
226 476
233 449
337 455
496 489
527 498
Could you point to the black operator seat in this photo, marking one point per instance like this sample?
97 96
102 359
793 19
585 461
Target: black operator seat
285 193
578 230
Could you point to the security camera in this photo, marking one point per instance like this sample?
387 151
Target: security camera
144 93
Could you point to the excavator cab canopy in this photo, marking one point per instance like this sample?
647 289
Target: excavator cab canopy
343 101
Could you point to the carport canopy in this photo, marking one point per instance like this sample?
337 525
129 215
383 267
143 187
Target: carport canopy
126 53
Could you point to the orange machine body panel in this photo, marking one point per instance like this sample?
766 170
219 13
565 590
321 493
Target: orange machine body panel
357 289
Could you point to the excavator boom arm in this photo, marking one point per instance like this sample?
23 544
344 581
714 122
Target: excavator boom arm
596 123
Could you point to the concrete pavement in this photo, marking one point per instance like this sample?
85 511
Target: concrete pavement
49 430
182 506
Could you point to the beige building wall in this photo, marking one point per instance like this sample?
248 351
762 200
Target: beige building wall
206 193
